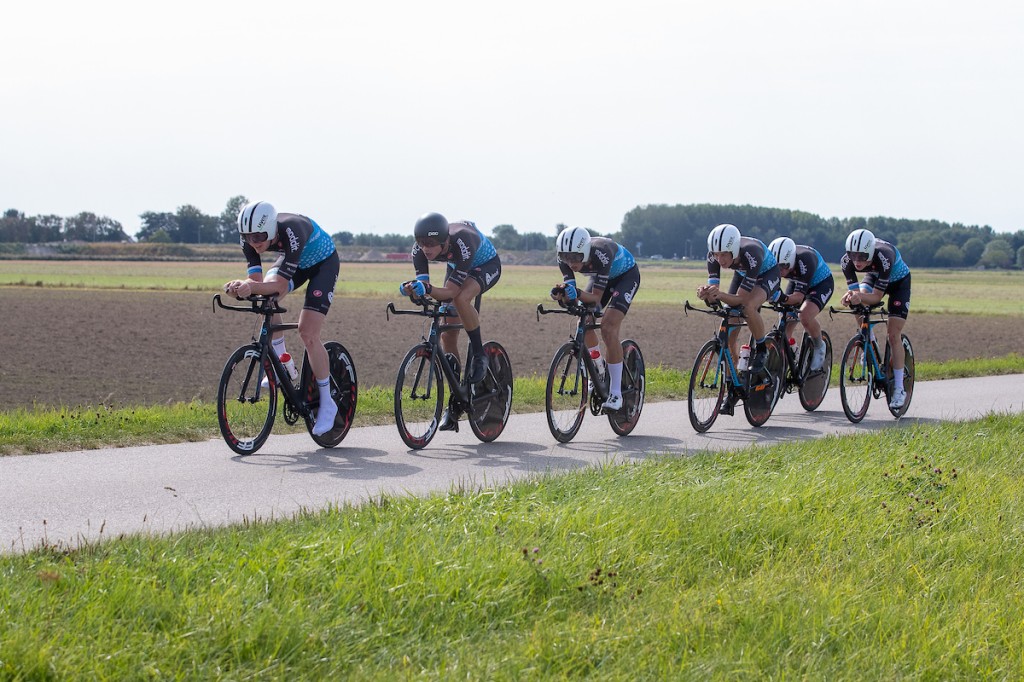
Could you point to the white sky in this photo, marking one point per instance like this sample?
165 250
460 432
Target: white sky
363 115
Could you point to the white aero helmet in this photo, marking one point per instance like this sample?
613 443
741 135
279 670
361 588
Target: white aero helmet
574 240
258 216
861 241
725 237
784 250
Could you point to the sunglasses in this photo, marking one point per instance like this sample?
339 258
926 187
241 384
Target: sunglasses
255 237
857 257
571 257
428 243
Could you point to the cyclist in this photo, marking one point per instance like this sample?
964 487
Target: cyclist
885 273
810 286
614 281
473 268
307 254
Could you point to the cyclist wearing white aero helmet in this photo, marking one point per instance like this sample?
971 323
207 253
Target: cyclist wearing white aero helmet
755 281
307 254
810 286
886 274
614 281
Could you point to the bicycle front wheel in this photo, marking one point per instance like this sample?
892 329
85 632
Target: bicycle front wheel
634 382
763 397
707 387
419 397
245 410
565 399
814 385
856 379
492 398
908 374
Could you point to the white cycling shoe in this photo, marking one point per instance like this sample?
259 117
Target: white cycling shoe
818 357
898 398
325 418
613 404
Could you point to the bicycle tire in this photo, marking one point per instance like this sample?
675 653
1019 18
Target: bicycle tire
762 398
634 385
908 375
565 396
245 411
856 380
344 392
492 398
707 387
419 397
814 386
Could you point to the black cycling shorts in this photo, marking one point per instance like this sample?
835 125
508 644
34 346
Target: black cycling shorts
819 294
899 297
486 275
768 281
322 278
620 291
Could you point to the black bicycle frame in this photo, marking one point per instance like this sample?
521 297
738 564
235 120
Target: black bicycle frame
587 321
867 325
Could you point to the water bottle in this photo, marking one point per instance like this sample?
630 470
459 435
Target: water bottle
744 357
289 364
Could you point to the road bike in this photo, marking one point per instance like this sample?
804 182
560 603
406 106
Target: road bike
715 380
574 377
864 372
420 386
246 408
811 386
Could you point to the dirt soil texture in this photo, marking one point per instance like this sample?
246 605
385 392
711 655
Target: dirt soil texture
71 347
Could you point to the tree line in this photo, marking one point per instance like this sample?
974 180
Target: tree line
678 231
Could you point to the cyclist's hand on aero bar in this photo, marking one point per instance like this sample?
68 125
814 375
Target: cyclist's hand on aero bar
413 289
239 288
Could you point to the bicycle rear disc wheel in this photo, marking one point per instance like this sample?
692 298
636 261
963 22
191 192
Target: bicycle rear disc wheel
908 374
565 398
245 410
707 387
763 397
634 383
344 391
815 384
492 398
419 397
856 379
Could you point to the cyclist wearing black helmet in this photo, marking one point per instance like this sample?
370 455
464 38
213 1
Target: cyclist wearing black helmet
473 268
307 254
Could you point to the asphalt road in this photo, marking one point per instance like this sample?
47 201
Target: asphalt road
70 497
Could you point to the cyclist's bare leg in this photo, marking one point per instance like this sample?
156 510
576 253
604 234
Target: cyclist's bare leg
809 320
311 323
450 338
611 323
895 342
465 303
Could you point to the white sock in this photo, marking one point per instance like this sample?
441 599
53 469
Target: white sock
615 377
897 378
325 390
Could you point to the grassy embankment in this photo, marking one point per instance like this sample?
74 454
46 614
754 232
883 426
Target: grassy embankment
891 555
48 429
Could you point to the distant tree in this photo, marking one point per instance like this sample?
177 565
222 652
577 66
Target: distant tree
949 256
89 227
536 241
195 227
973 248
48 228
153 222
1020 257
343 238
15 227
505 237
228 221
159 237
997 254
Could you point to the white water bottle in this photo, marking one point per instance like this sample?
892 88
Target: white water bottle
744 357
289 364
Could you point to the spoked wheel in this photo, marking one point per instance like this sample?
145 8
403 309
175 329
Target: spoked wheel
707 387
565 399
908 374
815 384
245 411
419 397
634 383
856 380
344 389
492 397
763 396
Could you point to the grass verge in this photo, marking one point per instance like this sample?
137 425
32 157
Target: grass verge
892 555
39 430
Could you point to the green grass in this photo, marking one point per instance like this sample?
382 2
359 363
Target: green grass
45 429
890 555
948 291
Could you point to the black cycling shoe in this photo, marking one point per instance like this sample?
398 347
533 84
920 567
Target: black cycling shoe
728 407
477 369
449 422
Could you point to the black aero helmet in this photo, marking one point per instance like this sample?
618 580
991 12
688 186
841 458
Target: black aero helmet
431 226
